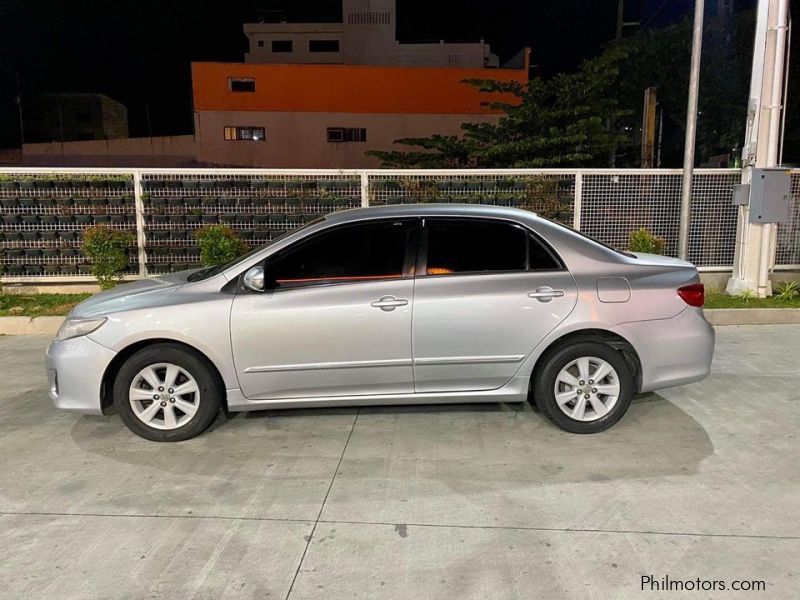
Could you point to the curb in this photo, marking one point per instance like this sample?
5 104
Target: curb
753 316
30 325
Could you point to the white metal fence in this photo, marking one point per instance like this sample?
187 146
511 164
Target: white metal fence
44 211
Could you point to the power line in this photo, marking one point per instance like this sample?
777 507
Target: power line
655 14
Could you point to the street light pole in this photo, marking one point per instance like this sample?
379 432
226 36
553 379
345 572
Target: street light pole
691 131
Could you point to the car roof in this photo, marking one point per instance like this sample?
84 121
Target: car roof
430 210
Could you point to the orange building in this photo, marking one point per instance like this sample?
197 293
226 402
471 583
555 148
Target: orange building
328 116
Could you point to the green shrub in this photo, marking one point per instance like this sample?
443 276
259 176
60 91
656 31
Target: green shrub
107 248
788 290
642 240
219 244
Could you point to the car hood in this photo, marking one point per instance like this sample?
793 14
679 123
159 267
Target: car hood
128 296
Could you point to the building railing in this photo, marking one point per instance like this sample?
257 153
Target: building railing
43 211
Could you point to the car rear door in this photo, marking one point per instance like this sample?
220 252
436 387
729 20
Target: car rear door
336 318
486 292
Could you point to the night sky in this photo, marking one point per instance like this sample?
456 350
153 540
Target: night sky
139 52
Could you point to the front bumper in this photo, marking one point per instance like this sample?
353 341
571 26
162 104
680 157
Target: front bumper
672 351
75 369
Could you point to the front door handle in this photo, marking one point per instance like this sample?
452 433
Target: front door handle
545 294
389 303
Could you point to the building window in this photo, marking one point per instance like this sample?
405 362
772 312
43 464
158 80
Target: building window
253 134
347 134
261 43
368 18
281 45
241 85
323 46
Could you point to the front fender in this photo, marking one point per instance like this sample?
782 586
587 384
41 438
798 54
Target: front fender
204 327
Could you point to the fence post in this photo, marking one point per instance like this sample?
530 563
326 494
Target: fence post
364 189
139 206
576 210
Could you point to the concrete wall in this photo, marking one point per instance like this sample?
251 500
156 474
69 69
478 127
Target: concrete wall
171 151
366 37
74 117
261 36
347 88
11 157
299 139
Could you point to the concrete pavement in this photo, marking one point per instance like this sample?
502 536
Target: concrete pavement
472 501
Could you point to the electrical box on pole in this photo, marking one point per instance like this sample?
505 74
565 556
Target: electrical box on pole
741 194
770 194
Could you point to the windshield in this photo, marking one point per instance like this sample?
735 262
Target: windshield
209 272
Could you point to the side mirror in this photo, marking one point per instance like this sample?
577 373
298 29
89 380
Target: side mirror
254 279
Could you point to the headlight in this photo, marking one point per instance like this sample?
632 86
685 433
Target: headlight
77 327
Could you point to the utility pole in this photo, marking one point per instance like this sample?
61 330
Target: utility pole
61 132
18 100
755 242
149 127
691 132
660 137
649 129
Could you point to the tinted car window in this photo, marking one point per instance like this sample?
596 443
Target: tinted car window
474 246
346 254
539 257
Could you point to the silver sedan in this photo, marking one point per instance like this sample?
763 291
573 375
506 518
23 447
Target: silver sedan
390 305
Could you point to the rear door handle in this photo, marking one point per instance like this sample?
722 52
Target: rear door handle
545 294
389 303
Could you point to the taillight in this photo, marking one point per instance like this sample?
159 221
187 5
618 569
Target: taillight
693 295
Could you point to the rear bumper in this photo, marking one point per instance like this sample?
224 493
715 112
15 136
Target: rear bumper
672 351
75 369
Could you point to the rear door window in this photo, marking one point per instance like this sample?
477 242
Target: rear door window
473 246
481 246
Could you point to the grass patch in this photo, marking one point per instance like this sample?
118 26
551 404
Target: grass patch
720 300
38 305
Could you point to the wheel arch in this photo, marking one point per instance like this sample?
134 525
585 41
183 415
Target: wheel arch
110 374
610 338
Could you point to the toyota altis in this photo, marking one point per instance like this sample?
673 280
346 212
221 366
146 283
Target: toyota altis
390 305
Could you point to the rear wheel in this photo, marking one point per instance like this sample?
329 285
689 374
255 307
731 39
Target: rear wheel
584 387
166 393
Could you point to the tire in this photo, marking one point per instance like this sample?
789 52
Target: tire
181 416
552 379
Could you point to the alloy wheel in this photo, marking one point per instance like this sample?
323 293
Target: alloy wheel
164 396
587 388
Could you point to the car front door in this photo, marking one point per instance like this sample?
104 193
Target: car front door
486 293
335 319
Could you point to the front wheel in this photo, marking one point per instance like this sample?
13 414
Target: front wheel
166 393
584 387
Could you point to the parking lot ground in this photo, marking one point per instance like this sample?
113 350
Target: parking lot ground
459 501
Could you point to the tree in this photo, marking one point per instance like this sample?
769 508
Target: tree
571 119
660 58
593 117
